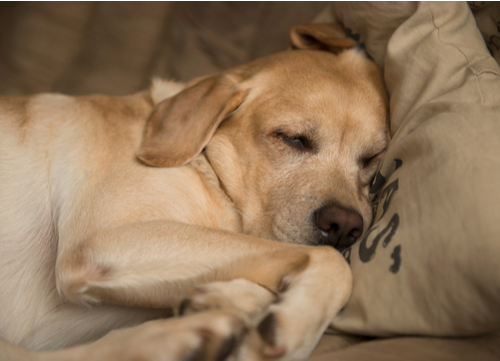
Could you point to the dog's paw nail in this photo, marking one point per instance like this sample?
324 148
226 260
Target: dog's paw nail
267 329
273 351
189 306
193 355
206 335
184 306
226 349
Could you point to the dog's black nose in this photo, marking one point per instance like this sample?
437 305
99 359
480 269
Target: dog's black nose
339 227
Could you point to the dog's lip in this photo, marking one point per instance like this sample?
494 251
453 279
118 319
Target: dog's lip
339 245
324 240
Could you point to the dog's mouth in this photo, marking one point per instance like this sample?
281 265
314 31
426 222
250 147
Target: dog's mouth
338 242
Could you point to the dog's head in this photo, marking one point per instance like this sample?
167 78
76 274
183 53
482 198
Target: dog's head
295 139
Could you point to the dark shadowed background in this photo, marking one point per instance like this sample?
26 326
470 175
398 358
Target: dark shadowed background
116 47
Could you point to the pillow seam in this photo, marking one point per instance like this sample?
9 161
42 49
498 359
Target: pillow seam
467 63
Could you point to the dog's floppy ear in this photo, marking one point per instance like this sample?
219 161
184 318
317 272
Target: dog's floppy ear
331 37
181 126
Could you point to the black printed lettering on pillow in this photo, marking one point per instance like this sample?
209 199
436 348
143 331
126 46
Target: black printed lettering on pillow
357 38
382 198
366 253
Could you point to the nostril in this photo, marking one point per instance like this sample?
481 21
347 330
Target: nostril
334 227
340 226
354 229
325 222
353 236
355 233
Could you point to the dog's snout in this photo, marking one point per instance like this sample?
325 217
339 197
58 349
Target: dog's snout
339 227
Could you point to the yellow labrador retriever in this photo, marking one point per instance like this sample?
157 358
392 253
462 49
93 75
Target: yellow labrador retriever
113 208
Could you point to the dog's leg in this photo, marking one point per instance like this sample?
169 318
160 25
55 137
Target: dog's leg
252 302
208 336
154 264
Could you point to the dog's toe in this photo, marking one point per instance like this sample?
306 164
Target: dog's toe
222 333
247 299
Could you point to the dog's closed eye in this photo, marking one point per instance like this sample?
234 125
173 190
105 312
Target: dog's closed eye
367 161
370 160
299 142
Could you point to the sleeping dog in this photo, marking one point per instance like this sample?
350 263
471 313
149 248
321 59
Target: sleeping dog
119 210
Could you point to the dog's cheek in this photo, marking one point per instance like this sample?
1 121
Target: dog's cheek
293 219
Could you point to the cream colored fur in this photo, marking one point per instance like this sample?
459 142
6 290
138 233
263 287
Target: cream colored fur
93 240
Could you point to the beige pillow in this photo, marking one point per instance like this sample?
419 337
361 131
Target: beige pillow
430 264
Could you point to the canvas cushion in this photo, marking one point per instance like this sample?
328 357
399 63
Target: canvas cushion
429 265
484 348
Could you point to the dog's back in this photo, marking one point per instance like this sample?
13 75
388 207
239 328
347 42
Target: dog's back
41 156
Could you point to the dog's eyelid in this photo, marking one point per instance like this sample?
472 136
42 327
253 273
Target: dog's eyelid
368 160
299 141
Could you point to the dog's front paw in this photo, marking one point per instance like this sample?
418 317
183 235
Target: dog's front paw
248 300
221 332
208 336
